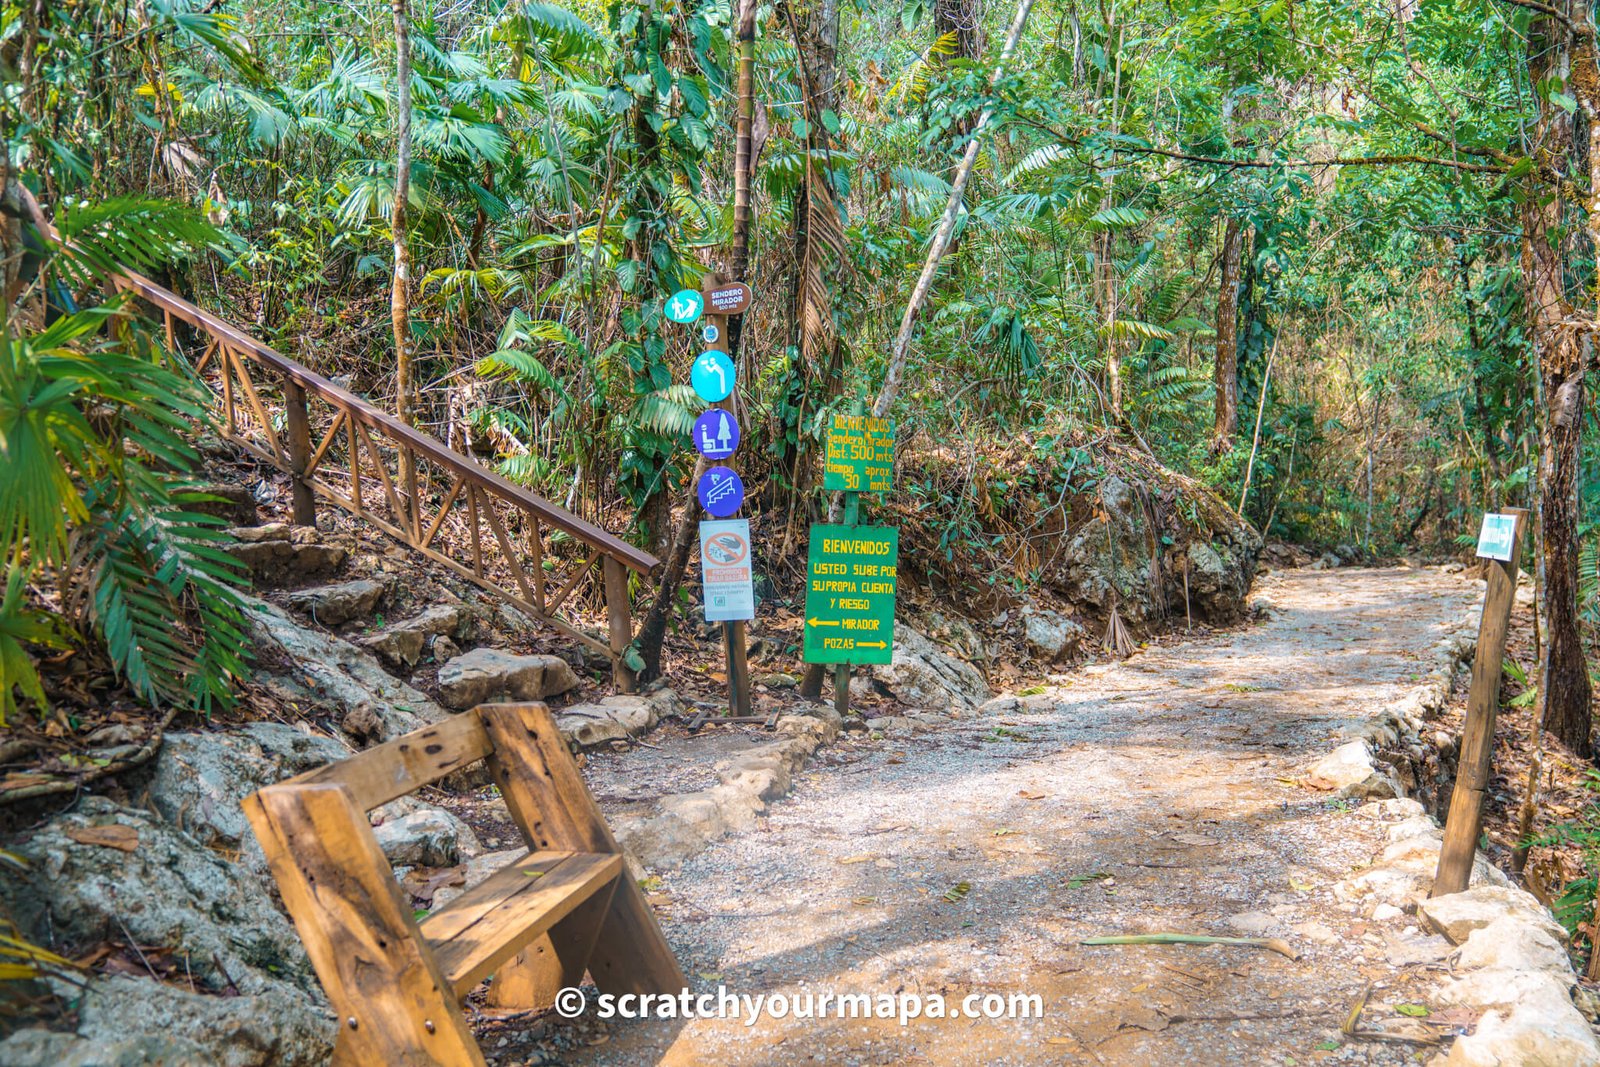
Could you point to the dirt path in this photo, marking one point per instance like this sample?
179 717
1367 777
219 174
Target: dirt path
1154 795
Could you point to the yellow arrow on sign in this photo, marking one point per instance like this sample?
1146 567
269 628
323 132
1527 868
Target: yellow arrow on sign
871 644
821 622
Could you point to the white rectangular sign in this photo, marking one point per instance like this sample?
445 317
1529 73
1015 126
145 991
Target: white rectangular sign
1496 537
725 567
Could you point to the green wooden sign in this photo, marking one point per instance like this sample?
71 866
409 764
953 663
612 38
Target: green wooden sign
850 580
860 454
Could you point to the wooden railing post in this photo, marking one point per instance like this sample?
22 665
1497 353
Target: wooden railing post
619 613
1465 821
298 424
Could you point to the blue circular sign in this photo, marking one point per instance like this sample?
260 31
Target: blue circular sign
716 434
712 376
720 491
709 333
685 306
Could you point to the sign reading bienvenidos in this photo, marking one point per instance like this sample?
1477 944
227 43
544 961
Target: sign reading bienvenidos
860 454
850 584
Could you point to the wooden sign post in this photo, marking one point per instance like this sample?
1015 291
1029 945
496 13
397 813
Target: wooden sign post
1501 543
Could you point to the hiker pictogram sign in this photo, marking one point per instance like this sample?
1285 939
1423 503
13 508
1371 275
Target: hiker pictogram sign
850 585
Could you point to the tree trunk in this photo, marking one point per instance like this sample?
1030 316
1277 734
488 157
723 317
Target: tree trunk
652 634
811 686
400 292
1564 676
1226 370
1105 298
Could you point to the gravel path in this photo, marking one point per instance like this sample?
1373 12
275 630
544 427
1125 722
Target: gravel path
1158 794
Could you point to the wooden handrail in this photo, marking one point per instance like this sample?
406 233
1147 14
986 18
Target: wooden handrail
473 487
609 545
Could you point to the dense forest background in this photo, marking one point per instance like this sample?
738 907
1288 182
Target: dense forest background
1333 259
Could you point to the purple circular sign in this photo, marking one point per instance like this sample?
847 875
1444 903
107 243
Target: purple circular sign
721 492
716 434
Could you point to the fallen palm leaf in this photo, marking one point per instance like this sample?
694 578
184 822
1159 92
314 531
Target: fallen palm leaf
1078 881
957 891
1276 944
1006 831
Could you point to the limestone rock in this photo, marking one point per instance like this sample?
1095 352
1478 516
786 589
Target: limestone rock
1118 556
278 551
128 1021
331 668
487 674
1514 942
615 718
1457 915
170 892
1349 770
401 643
330 605
235 504
1051 635
922 675
1327 562
1542 1029
426 837
198 778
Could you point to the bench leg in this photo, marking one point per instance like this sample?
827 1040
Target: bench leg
554 962
552 806
393 1005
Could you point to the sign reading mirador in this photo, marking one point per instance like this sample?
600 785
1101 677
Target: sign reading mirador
860 454
850 582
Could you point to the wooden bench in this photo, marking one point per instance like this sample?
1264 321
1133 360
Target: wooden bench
565 907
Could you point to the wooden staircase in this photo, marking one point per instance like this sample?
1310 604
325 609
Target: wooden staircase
339 447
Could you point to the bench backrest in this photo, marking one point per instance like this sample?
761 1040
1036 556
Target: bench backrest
403 766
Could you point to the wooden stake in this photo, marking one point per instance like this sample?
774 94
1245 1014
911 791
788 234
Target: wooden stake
298 424
1465 820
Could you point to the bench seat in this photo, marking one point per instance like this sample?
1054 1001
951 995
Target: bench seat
490 923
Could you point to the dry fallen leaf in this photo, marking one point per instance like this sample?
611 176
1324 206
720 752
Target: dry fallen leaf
125 838
856 859
1029 795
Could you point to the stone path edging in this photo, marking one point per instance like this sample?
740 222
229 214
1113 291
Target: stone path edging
1511 963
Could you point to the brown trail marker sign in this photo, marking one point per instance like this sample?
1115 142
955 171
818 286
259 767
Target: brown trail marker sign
1500 541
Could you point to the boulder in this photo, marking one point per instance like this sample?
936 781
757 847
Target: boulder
488 674
199 777
1350 771
103 872
1541 1029
425 837
615 718
1050 635
234 504
1457 915
330 668
1118 556
125 1021
923 675
1327 562
330 605
280 552
401 643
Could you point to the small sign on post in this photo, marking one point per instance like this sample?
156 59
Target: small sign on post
850 584
725 567
1497 538
1465 820
860 454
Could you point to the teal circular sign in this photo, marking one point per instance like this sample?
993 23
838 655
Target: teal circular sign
712 376
685 306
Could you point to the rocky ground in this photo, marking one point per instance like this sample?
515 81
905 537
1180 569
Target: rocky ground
1186 790
941 838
